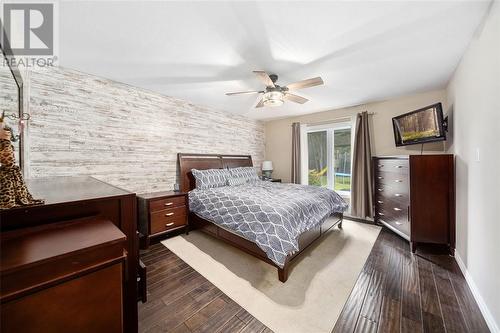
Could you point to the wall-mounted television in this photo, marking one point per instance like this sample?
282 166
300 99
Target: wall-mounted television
420 126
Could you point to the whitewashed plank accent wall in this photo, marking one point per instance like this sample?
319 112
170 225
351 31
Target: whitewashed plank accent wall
85 125
9 102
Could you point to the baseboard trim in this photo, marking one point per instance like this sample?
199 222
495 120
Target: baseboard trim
488 317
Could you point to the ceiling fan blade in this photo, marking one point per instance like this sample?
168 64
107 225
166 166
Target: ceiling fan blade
305 83
243 92
264 77
260 104
295 98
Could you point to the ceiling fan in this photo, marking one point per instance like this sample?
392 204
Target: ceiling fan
275 95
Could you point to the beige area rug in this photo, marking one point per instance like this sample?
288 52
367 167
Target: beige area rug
319 283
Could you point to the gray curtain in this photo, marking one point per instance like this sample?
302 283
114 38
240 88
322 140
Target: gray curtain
296 153
362 182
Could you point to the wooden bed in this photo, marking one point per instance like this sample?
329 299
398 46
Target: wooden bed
187 162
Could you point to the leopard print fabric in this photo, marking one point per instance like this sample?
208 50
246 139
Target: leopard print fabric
13 191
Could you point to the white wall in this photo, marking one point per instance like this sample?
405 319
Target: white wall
474 95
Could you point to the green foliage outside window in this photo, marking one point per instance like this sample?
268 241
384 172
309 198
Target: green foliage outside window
319 178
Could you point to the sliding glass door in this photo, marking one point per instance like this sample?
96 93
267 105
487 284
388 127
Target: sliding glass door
342 159
329 156
317 142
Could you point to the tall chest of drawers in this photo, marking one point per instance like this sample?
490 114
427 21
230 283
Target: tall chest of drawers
415 197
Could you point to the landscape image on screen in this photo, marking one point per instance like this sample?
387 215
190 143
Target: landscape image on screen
419 125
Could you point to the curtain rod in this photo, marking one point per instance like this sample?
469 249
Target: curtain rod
335 120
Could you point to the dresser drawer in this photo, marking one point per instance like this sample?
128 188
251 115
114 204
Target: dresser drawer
397 192
395 166
401 225
384 201
393 213
392 209
392 178
167 219
172 202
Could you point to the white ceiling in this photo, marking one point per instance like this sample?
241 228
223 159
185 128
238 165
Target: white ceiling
364 51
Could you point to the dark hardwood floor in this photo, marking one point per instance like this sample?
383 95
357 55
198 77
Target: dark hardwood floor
181 300
400 292
395 292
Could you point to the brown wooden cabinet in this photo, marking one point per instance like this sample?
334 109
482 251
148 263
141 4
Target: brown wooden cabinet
57 278
161 213
44 288
415 197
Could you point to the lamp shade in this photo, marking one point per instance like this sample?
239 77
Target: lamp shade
267 165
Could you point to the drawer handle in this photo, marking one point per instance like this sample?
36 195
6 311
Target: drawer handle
398 195
380 189
380 201
380 165
381 214
380 177
398 181
398 223
398 166
169 214
397 209
169 204
169 224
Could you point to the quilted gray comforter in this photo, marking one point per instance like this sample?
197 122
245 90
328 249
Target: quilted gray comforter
272 215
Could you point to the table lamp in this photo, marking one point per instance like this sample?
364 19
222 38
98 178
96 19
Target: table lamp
267 169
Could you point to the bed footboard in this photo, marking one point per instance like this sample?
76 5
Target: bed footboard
307 239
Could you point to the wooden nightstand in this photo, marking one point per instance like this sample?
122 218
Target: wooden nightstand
161 213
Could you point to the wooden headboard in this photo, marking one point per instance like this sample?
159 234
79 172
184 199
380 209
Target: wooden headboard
187 162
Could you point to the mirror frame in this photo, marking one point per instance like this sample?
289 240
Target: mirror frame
16 74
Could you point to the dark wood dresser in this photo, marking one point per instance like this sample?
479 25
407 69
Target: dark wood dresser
79 250
69 270
161 213
415 197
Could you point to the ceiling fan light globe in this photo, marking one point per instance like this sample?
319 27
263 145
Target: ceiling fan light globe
273 98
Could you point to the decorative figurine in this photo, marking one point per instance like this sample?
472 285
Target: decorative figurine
13 191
